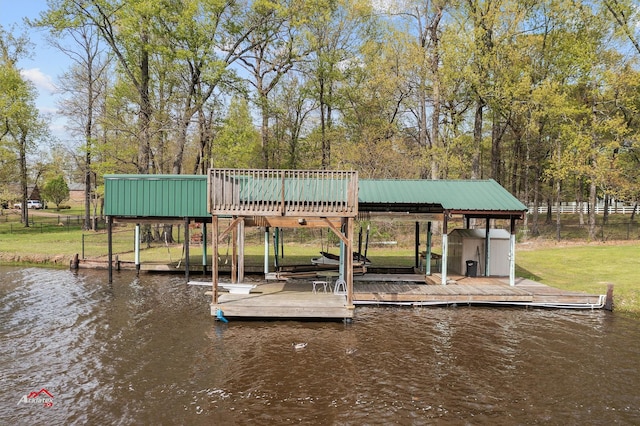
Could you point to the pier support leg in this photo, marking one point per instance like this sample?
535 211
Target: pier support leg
427 257
136 249
110 247
267 241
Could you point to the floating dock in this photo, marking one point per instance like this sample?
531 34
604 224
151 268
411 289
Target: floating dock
296 299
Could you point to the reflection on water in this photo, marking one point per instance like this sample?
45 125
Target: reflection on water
146 350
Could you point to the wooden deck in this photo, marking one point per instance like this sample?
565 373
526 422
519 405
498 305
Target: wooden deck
295 299
284 299
468 290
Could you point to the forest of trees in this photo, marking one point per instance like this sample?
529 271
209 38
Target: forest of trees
541 95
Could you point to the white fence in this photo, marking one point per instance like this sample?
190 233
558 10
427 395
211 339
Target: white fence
573 207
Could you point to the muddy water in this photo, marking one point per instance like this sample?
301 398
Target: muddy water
146 351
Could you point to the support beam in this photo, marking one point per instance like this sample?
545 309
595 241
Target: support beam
427 257
267 241
349 261
136 248
512 252
233 225
204 248
110 247
241 240
445 249
186 249
417 246
214 263
487 248
234 254
337 232
276 246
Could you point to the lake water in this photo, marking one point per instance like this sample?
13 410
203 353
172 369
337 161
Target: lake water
147 351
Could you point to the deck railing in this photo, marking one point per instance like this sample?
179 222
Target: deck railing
321 193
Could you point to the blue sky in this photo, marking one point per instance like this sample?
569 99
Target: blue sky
46 63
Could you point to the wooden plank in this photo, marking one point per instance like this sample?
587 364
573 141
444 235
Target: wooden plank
283 311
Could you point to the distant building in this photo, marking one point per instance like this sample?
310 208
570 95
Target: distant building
76 192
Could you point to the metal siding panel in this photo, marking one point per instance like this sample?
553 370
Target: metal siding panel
170 201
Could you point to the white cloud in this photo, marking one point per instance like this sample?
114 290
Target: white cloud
41 80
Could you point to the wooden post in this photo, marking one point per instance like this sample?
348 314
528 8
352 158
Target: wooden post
204 248
214 262
234 254
349 261
608 303
267 241
417 245
110 247
75 262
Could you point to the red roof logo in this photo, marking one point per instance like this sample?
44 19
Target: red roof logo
42 396
42 393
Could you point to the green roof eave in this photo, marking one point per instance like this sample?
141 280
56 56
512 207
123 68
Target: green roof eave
459 196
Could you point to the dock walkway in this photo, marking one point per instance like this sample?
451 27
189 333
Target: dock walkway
295 298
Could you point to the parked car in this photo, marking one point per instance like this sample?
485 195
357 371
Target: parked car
34 204
31 204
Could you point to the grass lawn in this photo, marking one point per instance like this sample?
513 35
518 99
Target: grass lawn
587 268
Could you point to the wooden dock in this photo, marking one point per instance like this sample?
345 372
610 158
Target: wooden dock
295 298
409 290
284 299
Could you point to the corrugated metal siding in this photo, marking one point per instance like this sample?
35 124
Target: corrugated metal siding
156 196
477 195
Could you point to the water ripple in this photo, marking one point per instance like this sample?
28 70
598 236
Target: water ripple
145 350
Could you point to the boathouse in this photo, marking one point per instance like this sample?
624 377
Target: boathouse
312 199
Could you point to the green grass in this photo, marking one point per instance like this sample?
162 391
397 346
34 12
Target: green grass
587 268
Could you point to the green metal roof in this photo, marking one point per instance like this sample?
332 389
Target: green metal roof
156 196
451 195
182 196
299 189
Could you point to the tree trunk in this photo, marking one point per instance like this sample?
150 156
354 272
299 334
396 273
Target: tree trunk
535 230
24 212
592 210
497 133
144 153
324 164
435 80
264 130
477 139
579 201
